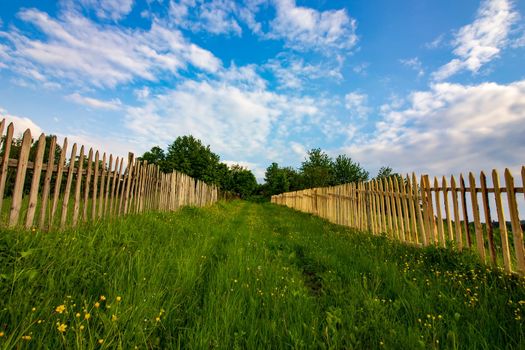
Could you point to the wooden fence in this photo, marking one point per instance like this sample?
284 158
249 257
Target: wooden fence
439 212
46 190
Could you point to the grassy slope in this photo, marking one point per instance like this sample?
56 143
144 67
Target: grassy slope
241 275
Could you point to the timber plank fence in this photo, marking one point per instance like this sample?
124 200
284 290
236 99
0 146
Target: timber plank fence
428 213
46 190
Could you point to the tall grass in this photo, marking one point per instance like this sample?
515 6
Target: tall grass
246 276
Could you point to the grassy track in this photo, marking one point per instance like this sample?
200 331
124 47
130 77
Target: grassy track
246 276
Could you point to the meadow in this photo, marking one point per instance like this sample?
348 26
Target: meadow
240 275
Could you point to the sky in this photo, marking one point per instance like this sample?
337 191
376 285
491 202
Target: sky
435 87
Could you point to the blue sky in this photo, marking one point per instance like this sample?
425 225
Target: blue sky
428 86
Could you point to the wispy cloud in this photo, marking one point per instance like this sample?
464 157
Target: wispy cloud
110 105
415 64
109 9
84 52
305 28
357 104
480 42
215 16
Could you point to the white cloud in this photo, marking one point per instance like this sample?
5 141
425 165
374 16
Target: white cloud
109 9
110 105
236 122
21 124
81 51
361 68
298 149
305 28
357 104
415 64
215 16
480 42
448 129
437 42
294 73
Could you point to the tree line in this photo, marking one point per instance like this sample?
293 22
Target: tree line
190 156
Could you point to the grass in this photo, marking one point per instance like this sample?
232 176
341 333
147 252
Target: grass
240 275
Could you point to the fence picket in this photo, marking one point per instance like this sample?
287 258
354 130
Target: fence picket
78 185
517 232
8 141
47 181
507 262
35 183
18 189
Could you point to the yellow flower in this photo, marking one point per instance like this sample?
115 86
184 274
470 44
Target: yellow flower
81 327
102 298
101 341
114 318
157 319
97 304
62 327
119 299
87 316
77 315
33 309
60 308
2 334
26 337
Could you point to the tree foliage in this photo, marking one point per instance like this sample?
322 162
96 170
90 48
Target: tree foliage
190 156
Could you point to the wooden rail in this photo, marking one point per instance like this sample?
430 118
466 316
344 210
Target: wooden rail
58 191
427 212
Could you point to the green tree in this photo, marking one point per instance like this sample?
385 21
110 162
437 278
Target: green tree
317 169
157 156
345 171
188 155
385 172
243 181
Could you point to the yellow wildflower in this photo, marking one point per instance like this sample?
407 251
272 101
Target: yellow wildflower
26 337
81 327
87 316
60 308
77 315
157 319
2 334
102 298
33 309
101 341
62 327
114 318
119 299
97 304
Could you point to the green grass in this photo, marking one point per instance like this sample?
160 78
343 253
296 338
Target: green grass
241 275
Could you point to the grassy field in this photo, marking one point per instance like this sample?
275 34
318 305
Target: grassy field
240 275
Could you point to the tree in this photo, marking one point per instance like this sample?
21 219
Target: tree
243 181
155 156
317 169
346 171
188 155
385 172
279 180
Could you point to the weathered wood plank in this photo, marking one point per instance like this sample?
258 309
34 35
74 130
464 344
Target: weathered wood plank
18 189
67 190
78 187
507 262
47 181
35 182
517 232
